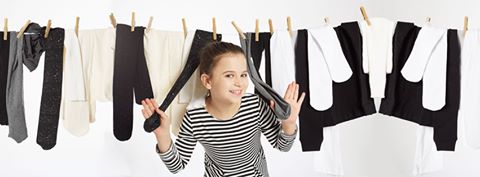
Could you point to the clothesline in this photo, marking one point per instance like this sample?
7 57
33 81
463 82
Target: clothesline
214 26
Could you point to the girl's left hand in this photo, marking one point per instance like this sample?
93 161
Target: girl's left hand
291 97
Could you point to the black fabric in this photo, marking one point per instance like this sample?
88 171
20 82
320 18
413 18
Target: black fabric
403 99
4 55
34 46
130 75
52 88
201 39
257 49
351 99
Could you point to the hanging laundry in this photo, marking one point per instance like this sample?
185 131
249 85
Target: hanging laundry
52 88
470 86
14 90
377 53
98 49
327 63
313 122
130 78
428 62
163 52
4 55
283 60
74 109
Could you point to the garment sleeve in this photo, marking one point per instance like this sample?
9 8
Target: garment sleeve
179 153
272 129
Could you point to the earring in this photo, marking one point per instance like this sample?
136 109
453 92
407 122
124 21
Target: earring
208 93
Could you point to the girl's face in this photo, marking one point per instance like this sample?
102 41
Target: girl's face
228 79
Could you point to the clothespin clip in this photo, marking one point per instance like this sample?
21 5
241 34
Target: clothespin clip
5 29
257 31
240 32
214 28
132 28
326 20
24 27
270 24
365 16
150 20
289 26
465 25
113 20
49 26
185 31
77 21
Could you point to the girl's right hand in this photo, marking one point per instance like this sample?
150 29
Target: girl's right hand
149 106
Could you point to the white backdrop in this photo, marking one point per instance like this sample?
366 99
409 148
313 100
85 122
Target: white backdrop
374 146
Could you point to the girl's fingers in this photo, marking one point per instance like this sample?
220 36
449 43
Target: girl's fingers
272 104
150 105
161 113
300 101
145 113
144 104
292 90
154 103
295 95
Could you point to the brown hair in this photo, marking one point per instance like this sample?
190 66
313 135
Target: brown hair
210 54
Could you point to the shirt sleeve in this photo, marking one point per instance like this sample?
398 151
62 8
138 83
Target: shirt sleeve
180 152
272 129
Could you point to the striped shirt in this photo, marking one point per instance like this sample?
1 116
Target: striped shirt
232 147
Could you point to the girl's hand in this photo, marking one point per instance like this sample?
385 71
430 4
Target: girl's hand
291 97
149 106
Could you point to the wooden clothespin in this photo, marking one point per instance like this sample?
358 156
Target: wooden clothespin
132 28
150 20
49 26
428 20
5 29
257 31
289 26
270 24
214 28
240 32
365 16
77 21
327 20
24 27
465 25
113 20
185 31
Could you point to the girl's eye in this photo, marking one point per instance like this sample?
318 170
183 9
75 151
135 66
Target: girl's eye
244 75
229 75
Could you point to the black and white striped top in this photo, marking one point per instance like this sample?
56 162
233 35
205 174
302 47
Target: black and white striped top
232 147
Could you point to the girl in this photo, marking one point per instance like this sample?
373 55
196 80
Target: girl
228 122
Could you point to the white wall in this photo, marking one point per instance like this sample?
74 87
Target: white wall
375 146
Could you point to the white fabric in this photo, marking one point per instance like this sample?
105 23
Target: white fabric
163 53
470 88
74 107
185 95
428 60
427 158
329 159
377 53
98 49
326 63
282 61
